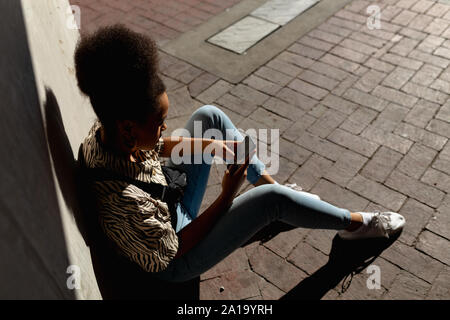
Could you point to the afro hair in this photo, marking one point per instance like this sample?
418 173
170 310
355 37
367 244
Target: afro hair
117 69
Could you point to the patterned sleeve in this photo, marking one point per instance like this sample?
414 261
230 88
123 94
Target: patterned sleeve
130 222
159 146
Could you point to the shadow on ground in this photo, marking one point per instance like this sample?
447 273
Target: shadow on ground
346 259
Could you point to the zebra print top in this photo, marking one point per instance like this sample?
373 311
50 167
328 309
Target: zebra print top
139 225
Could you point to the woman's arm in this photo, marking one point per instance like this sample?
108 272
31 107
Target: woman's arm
199 227
196 146
187 144
190 235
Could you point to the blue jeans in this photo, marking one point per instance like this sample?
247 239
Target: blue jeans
249 212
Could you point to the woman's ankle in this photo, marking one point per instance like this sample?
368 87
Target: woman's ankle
264 179
356 221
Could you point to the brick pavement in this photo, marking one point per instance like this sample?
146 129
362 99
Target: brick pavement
365 122
163 19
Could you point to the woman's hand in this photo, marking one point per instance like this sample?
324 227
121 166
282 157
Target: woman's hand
232 182
225 149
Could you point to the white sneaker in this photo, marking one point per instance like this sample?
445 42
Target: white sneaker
376 224
293 186
299 189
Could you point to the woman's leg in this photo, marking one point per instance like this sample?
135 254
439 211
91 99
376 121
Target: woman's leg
197 170
248 214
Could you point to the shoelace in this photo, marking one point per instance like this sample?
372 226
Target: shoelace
347 281
381 222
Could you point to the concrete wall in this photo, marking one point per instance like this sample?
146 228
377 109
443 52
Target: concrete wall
43 119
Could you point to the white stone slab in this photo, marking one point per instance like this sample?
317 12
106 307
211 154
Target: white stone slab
282 11
243 34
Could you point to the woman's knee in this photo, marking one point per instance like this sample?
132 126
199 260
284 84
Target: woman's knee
269 199
273 193
207 112
215 122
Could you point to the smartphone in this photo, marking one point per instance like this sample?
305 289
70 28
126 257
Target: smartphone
241 152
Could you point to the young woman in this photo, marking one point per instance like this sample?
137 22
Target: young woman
118 70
